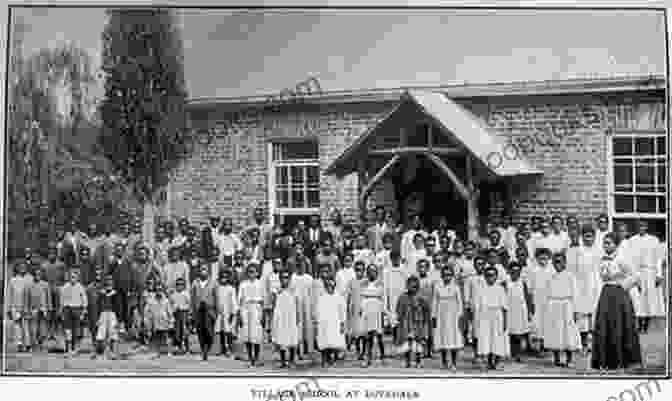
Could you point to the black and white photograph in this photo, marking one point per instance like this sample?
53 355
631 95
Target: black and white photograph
330 191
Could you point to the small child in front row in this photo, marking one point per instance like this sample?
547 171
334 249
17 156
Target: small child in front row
331 317
355 325
158 317
251 301
559 320
109 306
73 304
519 312
446 314
286 320
414 319
491 311
181 303
373 309
227 309
38 306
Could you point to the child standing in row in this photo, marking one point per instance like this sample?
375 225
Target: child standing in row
559 327
158 317
226 309
520 311
74 303
355 328
181 302
394 284
250 301
491 310
38 306
286 320
446 314
109 306
414 319
373 308
331 315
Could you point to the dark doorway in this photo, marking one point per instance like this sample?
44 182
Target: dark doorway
436 194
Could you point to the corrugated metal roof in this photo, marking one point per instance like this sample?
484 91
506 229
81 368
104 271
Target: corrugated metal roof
453 121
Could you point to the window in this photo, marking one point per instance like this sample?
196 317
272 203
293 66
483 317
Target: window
638 175
294 179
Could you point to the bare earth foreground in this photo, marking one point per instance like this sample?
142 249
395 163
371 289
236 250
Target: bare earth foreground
134 362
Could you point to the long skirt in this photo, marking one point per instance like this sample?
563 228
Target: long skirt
560 331
490 334
651 298
615 337
251 331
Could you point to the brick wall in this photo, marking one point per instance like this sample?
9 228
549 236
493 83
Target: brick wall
228 177
565 136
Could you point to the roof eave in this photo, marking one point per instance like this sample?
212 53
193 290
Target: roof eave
459 90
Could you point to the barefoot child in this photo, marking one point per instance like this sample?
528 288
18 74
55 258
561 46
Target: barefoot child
16 302
159 319
519 311
426 292
394 283
414 319
203 309
73 303
181 301
109 306
559 320
355 326
286 319
539 275
491 315
38 306
373 308
331 317
446 313
250 301
227 309
301 284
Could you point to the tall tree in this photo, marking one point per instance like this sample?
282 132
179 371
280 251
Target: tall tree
143 108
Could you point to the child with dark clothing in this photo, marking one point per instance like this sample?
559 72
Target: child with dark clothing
414 319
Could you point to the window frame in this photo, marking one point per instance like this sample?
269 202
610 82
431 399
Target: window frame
274 209
611 165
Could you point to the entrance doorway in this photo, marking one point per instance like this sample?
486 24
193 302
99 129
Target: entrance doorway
431 193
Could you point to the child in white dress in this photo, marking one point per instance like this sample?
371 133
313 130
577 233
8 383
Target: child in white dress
394 283
491 310
538 277
355 325
250 300
331 317
373 308
446 312
519 311
583 262
559 319
286 320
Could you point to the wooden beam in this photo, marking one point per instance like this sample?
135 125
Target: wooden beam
369 185
472 203
361 183
461 188
417 150
430 138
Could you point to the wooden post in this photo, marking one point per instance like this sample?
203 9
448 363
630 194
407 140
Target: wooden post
472 203
361 184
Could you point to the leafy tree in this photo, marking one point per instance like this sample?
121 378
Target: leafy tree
143 108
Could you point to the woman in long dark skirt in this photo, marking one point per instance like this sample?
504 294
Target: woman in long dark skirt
615 339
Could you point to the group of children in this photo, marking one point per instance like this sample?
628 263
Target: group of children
548 285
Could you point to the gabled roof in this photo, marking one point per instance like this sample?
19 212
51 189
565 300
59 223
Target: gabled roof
453 121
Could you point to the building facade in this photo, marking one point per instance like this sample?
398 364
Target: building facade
600 146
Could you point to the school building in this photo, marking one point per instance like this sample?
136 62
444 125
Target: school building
469 152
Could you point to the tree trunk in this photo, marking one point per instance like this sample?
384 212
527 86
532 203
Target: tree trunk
149 211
